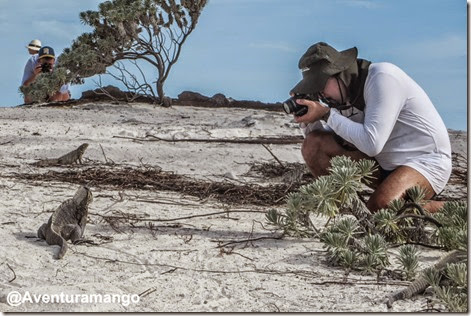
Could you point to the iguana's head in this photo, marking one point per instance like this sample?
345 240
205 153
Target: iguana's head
83 147
83 196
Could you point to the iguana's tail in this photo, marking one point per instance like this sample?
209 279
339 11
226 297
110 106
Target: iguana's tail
63 249
420 284
46 162
56 239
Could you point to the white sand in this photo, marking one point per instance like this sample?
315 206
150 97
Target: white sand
175 269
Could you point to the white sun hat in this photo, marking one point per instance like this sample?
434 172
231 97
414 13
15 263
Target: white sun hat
34 45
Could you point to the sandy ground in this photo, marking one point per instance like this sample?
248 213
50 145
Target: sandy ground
184 265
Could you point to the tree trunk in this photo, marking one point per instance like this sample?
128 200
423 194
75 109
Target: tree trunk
162 99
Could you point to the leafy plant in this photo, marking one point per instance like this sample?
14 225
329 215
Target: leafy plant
361 241
408 258
450 286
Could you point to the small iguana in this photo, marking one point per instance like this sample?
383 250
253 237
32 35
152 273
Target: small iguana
68 221
420 284
75 156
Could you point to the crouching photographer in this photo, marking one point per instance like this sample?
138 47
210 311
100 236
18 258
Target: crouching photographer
43 62
353 107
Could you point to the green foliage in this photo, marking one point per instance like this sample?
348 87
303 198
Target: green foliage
152 31
408 258
416 194
319 196
376 255
347 245
361 242
458 274
386 222
337 239
396 206
456 301
328 194
432 276
450 286
348 227
46 84
454 232
293 223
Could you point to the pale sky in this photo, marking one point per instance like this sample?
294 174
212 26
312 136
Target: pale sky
249 49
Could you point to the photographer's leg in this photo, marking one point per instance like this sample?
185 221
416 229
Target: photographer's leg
27 100
60 96
396 184
320 146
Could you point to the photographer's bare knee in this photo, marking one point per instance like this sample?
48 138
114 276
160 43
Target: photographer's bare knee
320 146
395 185
316 151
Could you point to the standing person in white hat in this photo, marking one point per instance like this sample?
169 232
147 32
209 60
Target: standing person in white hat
34 46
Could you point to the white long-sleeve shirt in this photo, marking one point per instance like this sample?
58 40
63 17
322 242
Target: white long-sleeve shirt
400 127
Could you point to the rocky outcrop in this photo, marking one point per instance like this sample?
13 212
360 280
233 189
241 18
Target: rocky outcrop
186 98
220 100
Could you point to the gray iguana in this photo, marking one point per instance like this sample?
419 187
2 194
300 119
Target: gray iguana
420 284
75 156
68 221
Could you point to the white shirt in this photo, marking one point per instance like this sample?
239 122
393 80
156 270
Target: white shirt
400 127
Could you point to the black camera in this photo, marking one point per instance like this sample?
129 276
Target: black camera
290 105
46 67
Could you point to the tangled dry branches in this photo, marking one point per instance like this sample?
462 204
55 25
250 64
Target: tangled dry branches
122 178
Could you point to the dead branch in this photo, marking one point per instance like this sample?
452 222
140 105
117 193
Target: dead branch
103 152
134 217
261 140
230 251
305 273
167 203
360 282
147 292
133 178
271 153
246 240
418 244
101 91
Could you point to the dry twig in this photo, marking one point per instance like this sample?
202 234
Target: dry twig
273 155
14 274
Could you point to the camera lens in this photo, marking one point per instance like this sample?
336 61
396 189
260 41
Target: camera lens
45 67
288 106
291 106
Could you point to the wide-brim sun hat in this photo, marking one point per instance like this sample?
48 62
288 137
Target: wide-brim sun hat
319 63
34 45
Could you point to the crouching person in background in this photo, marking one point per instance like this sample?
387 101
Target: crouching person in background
43 62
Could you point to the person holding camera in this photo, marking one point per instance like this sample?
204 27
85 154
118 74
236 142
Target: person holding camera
353 107
43 62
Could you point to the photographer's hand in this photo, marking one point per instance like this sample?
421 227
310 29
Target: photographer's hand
315 111
37 70
32 78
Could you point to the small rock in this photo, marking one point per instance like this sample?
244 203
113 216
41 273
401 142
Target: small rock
230 175
248 121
